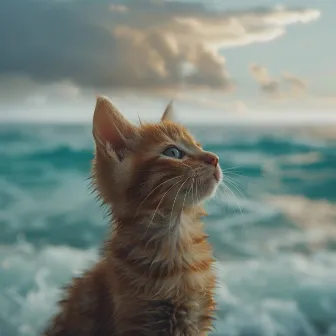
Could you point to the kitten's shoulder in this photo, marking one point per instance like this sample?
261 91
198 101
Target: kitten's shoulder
86 306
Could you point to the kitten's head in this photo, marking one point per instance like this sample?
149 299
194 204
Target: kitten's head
150 166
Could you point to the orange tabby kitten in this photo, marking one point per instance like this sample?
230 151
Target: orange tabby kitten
155 276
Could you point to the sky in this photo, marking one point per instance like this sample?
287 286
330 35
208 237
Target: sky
218 60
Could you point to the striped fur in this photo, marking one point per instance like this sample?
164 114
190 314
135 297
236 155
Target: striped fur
155 276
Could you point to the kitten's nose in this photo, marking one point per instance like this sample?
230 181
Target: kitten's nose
211 158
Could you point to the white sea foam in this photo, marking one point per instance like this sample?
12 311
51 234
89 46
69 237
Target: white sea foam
278 296
31 281
266 296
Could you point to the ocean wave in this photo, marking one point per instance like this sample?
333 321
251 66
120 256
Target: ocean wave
296 294
283 295
31 281
273 233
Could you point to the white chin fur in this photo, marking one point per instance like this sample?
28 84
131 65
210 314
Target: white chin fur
210 191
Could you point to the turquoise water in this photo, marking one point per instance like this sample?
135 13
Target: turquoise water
274 236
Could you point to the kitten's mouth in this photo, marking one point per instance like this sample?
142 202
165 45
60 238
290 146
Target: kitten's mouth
217 174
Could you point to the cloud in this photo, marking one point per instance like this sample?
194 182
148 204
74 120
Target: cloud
288 91
267 84
288 86
24 91
134 44
118 8
296 84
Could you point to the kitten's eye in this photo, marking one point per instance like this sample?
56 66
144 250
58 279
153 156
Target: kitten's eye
173 152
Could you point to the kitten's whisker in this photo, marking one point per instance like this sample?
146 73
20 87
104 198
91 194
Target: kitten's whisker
230 168
185 164
230 192
196 183
223 191
171 214
230 181
136 196
187 193
197 169
193 201
233 174
157 210
152 192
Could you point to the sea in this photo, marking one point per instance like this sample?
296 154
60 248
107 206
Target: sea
273 227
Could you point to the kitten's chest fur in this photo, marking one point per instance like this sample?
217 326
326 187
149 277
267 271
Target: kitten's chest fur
176 269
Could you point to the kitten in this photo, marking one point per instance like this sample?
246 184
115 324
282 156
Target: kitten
156 274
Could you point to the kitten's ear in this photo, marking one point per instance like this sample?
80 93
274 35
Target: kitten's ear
168 114
110 129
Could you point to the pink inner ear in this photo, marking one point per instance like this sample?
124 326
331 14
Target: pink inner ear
112 136
110 126
109 133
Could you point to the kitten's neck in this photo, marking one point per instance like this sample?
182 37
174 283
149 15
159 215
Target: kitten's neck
155 230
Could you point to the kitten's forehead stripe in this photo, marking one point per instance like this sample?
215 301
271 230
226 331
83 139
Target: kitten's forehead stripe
167 132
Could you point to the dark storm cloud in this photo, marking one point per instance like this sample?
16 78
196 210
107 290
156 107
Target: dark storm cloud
90 44
50 41
132 44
